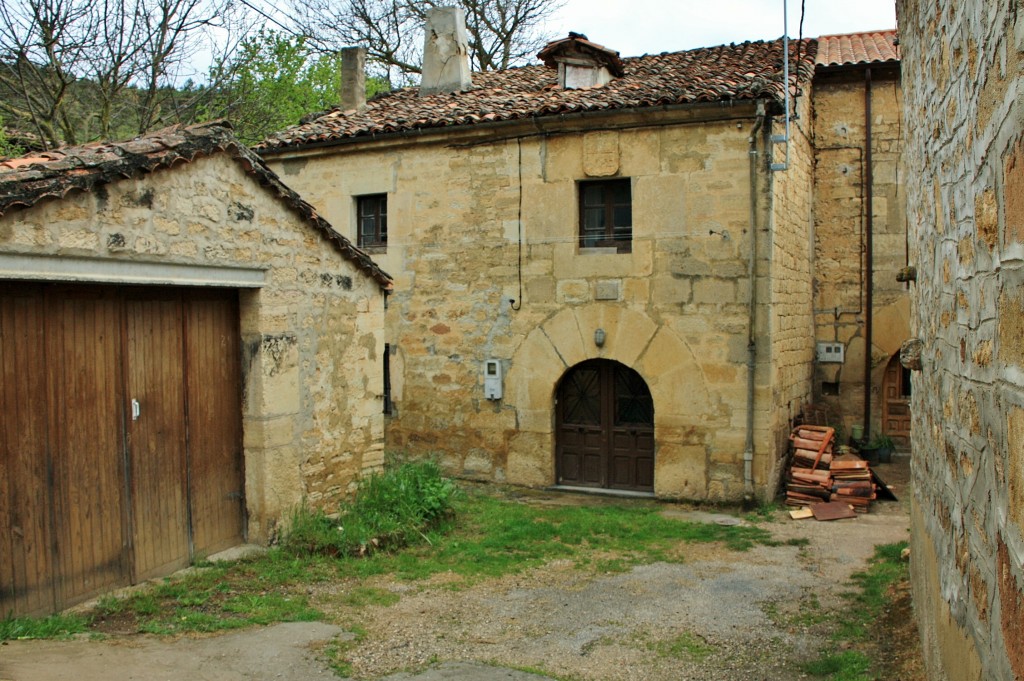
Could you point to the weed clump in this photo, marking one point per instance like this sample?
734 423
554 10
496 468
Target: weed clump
390 509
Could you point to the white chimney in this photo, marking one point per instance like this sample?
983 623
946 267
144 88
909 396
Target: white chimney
445 52
353 78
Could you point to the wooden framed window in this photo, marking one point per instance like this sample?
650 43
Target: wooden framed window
606 215
372 213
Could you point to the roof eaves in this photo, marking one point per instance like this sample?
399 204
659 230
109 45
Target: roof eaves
55 175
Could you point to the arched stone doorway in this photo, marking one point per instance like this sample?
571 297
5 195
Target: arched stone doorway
896 402
604 420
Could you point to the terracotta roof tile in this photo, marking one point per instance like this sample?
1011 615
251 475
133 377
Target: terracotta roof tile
743 71
872 47
28 180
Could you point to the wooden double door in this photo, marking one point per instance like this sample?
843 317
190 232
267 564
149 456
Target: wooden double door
604 428
120 443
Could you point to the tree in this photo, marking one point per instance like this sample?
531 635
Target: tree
273 81
502 33
8 148
78 70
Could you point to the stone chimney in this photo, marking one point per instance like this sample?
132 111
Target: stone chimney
445 52
353 78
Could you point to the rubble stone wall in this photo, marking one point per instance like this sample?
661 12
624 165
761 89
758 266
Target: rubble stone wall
964 120
840 223
312 335
483 245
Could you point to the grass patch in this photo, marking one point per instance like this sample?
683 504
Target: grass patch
854 624
849 665
219 598
54 626
362 596
338 651
408 522
391 509
685 646
493 537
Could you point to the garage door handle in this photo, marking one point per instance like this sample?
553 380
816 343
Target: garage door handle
136 409
580 429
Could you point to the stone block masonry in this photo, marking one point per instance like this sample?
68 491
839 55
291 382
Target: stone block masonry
965 126
312 333
674 308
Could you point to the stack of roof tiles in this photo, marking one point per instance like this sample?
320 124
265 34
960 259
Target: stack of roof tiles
817 476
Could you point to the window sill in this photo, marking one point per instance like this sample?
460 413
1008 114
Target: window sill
601 250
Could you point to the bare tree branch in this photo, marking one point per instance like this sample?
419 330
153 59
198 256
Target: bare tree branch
502 33
78 70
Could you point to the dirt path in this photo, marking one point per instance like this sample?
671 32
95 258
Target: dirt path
718 615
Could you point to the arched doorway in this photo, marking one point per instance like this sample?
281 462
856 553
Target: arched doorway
896 402
604 428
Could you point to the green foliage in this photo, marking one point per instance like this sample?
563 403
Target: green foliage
494 537
223 597
854 624
881 441
391 509
849 665
274 81
362 596
685 646
337 652
54 626
7 148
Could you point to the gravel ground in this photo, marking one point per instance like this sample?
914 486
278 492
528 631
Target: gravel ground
736 610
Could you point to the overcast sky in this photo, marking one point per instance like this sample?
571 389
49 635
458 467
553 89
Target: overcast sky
635 27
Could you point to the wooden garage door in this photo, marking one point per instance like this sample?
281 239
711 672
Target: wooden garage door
120 442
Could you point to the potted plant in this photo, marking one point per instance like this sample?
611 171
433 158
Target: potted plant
879 449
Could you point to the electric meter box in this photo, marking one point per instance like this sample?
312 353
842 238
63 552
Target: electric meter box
831 352
492 379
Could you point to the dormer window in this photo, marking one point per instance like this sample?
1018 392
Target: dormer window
581 63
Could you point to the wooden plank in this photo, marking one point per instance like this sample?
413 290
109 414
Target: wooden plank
85 428
213 401
158 490
27 585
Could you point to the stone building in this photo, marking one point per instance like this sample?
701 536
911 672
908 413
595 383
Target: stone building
964 126
603 266
860 235
187 351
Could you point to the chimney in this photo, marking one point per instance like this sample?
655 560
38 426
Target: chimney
445 52
353 78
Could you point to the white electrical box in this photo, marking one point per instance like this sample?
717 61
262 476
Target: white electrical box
492 379
831 352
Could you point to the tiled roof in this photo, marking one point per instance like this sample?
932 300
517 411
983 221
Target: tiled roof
579 42
872 47
30 179
744 71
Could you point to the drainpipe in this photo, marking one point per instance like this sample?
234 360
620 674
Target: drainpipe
869 261
748 453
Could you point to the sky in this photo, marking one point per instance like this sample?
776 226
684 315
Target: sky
635 27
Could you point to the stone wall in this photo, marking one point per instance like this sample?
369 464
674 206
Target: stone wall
964 122
312 333
483 244
789 276
840 224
